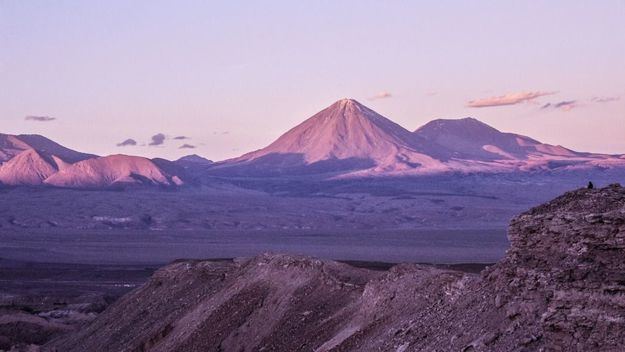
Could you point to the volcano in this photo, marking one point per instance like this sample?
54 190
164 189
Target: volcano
347 138
344 136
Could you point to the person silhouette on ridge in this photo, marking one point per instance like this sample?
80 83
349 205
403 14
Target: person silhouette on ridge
590 185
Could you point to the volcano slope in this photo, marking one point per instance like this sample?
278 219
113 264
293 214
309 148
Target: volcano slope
560 287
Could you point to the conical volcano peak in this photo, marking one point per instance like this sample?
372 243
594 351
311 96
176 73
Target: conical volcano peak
347 106
347 131
347 101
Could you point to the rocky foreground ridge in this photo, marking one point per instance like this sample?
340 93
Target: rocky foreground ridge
560 288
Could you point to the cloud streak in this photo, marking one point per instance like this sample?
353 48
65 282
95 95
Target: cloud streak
181 138
187 146
565 105
157 139
507 99
127 142
605 99
381 95
39 118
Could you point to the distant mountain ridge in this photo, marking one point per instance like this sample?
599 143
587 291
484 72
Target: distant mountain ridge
350 139
469 138
11 145
33 160
346 139
113 170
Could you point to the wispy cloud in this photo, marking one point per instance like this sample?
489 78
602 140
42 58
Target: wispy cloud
381 95
39 118
181 138
158 139
507 99
565 105
127 142
187 146
604 99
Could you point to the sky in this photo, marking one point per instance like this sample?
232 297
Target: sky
223 78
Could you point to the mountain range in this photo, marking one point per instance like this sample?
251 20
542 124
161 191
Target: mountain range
353 140
32 160
346 139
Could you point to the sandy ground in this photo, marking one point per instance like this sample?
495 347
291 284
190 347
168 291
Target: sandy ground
147 247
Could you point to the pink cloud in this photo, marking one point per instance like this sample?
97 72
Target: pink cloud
507 99
381 95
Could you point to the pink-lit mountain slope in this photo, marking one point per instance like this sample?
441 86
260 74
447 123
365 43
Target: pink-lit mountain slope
29 167
469 138
481 146
30 159
113 170
344 136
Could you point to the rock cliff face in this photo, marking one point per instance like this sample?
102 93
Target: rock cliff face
563 279
560 287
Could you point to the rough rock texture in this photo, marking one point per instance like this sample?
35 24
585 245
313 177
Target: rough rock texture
560 288
563 279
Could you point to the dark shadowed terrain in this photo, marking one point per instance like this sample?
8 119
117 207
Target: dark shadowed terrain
560 287
39 301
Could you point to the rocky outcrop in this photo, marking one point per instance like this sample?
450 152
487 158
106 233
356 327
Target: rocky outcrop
560 288
563 279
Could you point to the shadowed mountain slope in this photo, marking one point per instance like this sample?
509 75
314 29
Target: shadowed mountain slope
193 160
11 145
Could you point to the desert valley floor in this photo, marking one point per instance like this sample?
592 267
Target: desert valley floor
66 255
454 219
